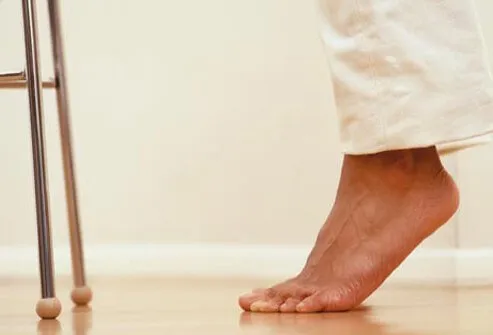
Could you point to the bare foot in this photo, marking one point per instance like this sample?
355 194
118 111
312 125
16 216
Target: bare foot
386 205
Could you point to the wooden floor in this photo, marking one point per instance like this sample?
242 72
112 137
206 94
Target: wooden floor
192 306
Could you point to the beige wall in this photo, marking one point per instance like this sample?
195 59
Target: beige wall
476 180
196 121
475 167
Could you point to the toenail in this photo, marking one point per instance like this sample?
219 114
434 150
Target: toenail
259 306
283 307
256 306
300 307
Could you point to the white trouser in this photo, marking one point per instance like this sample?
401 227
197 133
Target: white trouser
408 74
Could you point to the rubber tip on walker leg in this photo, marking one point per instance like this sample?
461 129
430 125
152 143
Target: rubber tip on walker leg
81 296
48 308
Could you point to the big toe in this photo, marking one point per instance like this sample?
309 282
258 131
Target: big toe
271 305
246 300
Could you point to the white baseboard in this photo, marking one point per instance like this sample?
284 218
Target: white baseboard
429 266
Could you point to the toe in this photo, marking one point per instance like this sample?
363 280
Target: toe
246 300
326 301
289 305
268 305
312 304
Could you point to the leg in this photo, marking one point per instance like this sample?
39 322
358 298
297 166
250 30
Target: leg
81 295
409 77
48 307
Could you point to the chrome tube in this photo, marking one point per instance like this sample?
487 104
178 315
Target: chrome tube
66 144
38 148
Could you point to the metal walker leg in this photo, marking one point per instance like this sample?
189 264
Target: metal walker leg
81 294
49 306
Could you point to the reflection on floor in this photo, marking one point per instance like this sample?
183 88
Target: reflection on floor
194 306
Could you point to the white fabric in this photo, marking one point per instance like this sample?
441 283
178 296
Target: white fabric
408 74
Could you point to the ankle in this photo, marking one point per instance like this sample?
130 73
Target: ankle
410 160
401 168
